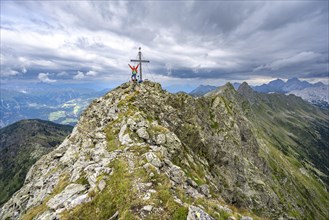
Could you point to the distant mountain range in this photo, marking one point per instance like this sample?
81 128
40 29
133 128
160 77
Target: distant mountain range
202 89
279 86
60 104
63 104
317 93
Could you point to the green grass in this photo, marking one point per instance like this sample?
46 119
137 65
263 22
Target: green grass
117 196
82 180
112 131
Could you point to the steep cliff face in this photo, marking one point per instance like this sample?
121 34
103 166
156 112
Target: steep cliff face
145 153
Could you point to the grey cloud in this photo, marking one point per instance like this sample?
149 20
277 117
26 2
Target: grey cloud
183 39
303 57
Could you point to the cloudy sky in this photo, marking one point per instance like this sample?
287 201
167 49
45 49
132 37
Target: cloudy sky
187 42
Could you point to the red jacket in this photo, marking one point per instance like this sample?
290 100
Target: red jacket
134 70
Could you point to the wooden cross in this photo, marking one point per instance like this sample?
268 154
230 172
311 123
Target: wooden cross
140 61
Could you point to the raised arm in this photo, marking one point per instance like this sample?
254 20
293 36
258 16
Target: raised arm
137 66
130 67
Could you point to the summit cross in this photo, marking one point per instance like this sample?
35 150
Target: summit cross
140 61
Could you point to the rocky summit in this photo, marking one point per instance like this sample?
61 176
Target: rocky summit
140 152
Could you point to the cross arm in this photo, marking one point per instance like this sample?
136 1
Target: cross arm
140 61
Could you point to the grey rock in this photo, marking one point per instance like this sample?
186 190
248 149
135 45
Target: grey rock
132 124
176 174
204 189
172 142
115 216
246 218
147 208
59 200
71 203
39 184
191 182
100 135
195 213
58 155
153 159
224 208
172 138
124 138
150 168
47 215
168 163
178 201
143 123
142 133
160 139
154 148
101 185
192 192
147 196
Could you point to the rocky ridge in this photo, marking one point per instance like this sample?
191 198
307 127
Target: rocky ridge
144 153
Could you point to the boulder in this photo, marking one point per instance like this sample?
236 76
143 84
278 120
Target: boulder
204 189
153 159
70 191
195 213
132 124
147 208
100 135
224 208
143 123
160 139
101 185
142 133
176 174
191 182
124 138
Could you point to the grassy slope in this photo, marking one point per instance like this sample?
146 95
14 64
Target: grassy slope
296 137
21 145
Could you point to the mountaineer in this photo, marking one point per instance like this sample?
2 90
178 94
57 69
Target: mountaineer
134 71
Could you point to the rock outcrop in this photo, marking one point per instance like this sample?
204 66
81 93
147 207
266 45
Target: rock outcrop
149 154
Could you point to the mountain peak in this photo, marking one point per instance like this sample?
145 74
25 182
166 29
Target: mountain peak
142 152
294 79
202 90
245 88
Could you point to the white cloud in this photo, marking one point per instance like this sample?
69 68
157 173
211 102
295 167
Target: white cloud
91 73
9 72
43 77
24 70
80 75
63 73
